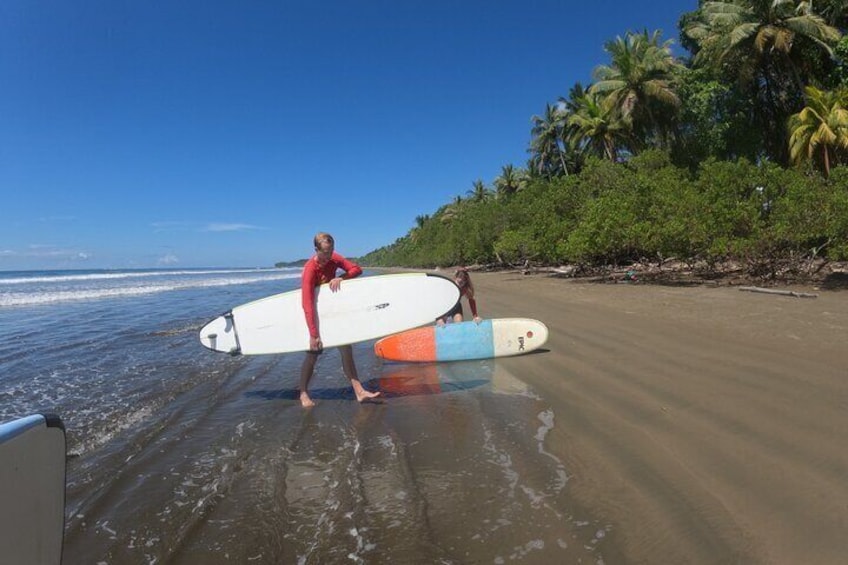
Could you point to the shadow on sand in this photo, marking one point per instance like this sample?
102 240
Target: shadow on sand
835 281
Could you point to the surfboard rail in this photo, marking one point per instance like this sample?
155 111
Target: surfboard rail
32 489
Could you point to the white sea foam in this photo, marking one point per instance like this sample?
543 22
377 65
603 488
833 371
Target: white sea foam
135 275
99 438
547 419
55 296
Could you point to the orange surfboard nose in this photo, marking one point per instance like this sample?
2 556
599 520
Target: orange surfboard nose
414 345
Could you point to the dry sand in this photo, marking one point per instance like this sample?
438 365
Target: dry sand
704 425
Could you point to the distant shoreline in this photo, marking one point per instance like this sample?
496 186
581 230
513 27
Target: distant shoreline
823 275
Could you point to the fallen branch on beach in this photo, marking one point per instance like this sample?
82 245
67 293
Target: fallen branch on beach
782 292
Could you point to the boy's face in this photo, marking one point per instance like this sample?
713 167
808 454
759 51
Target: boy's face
324 251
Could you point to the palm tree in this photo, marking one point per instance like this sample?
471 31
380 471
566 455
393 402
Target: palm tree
639 83
568 105
834 12
819 132
772 47
596 128
478 192
451 211
545 144
752 32
420 221
510 181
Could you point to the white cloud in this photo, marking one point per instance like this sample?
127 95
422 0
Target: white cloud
168 259
47 251
209 227
220 227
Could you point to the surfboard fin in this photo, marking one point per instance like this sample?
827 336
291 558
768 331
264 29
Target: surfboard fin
231 323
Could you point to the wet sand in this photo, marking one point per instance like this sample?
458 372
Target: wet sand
657 425
701 424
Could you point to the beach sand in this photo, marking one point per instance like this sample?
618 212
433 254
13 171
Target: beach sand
702 424
659 424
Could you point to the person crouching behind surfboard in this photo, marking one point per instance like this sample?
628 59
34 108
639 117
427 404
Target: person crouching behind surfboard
466 289
318 270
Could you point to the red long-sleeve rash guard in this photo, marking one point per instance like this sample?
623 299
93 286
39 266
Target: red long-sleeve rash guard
315 275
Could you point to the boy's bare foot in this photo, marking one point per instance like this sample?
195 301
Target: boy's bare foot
305 400
362 395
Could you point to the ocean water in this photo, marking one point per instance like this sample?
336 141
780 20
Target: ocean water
177 454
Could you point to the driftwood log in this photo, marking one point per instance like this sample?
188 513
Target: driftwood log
781 292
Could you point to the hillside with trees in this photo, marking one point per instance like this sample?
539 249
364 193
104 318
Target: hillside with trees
736 153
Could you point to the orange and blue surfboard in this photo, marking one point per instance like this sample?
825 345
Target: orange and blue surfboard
498 337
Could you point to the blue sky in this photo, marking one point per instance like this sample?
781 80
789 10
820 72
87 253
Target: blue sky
214 133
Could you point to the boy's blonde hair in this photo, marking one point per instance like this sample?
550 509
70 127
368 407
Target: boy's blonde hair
322 237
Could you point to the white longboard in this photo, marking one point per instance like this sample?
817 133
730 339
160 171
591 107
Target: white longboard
363 308
32 490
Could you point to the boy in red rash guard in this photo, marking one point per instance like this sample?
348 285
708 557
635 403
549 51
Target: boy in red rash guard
318 270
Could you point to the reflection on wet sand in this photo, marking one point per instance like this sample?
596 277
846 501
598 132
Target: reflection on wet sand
413 379
417 379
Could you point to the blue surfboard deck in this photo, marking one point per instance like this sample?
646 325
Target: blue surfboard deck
455 342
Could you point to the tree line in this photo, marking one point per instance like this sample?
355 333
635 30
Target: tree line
738 150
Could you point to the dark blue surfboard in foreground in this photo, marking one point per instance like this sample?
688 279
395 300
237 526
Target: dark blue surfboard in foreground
32 490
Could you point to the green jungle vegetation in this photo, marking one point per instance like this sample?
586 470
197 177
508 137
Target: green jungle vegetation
290 264
736 152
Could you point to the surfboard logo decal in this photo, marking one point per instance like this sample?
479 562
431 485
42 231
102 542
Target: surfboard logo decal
379 306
